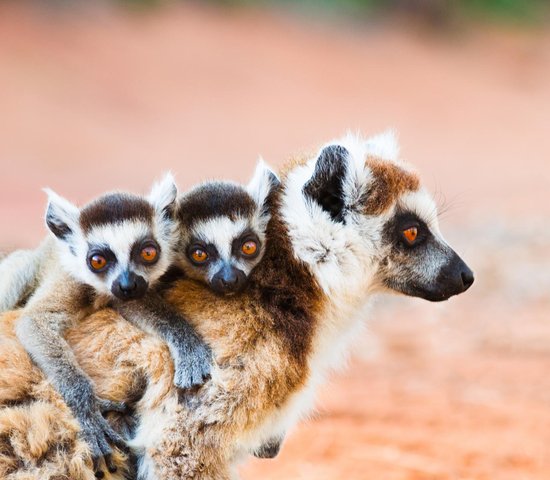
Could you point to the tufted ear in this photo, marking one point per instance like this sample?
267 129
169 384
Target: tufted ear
384 145
61 216
326 185
163 196
263 183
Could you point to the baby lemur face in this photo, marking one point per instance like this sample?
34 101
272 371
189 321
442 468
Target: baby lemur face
223 231
119 243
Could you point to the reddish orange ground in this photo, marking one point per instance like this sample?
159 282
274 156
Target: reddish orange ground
461 391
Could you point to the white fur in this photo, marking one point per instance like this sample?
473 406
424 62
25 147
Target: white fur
259 185
62 208
384 145
164 192
18 274
120 238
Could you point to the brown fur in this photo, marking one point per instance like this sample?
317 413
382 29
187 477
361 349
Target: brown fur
38 435
389 182
115 207
261 340
296 161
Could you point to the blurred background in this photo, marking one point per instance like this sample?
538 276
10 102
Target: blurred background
103 95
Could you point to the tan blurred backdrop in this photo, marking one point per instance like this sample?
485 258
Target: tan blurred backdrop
104 96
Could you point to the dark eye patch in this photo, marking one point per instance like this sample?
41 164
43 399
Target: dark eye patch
247 236
104 251
139 245
198 244
393 231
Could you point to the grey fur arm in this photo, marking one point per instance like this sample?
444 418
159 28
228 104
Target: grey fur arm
41 335
192 357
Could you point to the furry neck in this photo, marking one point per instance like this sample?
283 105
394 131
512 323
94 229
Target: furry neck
312 282
338 261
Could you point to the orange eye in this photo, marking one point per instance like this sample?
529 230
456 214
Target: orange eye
410 234
199 255
149 254
249 248
98 262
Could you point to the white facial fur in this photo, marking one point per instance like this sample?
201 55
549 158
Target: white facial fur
221 232
119 237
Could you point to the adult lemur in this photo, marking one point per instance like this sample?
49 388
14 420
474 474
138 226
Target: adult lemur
347 223
111 252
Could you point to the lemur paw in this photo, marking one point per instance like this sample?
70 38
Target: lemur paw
192 367
99 435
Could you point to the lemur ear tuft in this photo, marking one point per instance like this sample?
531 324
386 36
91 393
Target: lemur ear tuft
384 145
263 183
326 185
163 196
61 215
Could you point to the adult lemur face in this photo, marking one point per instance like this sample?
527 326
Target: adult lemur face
371 213
119 243
223 231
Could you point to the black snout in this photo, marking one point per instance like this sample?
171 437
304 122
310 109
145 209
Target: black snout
453 279
467 278
228 279
129 286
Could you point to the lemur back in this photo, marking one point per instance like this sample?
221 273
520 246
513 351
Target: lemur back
110 252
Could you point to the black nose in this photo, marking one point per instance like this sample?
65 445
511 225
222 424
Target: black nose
467 277
228 279
453 279
128 286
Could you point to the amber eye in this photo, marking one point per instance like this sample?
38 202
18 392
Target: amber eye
98 262
199 255
149 254
410 234
249 248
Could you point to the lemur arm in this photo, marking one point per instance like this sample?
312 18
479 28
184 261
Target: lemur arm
192 357
54 307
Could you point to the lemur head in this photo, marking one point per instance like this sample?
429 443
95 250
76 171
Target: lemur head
222 230
371 218
119 243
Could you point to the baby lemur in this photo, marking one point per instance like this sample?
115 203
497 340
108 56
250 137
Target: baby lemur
222 238
112 252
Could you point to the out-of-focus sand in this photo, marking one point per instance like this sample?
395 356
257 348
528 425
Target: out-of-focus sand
99 100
